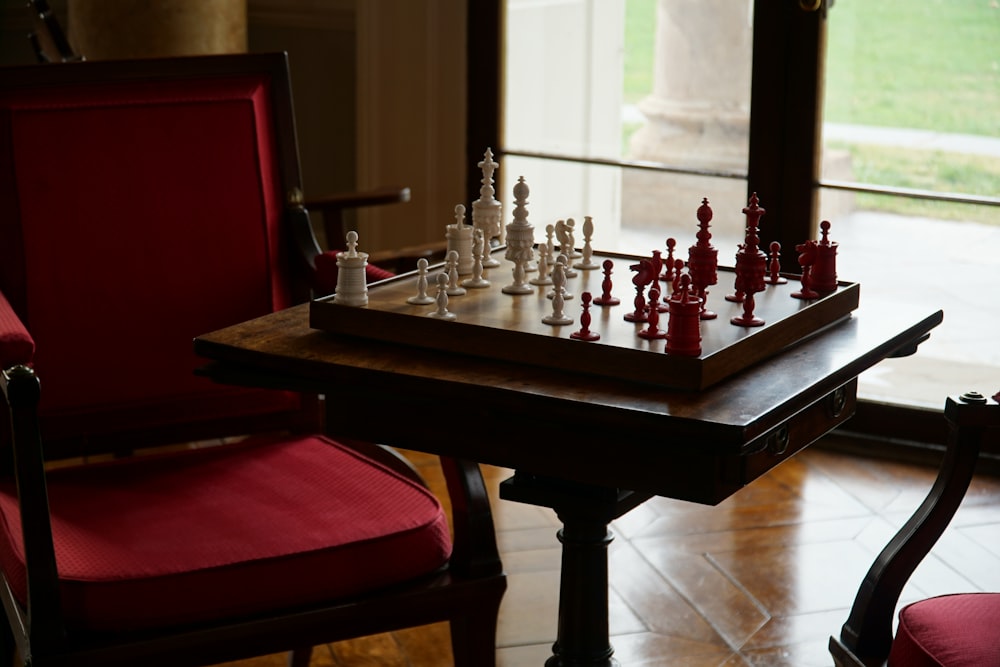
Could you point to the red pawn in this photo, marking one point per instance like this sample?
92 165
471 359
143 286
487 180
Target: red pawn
585 333
606 299
668 265
774 265
653 330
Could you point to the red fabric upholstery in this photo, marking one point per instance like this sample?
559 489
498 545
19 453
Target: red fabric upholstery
960 630
175 187
228 530
16 344
326 273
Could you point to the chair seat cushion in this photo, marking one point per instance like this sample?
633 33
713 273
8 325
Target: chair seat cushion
960 630
228 531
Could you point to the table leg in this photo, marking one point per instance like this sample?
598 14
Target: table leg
583 637
585 511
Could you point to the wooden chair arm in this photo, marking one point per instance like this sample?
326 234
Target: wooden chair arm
377 197
332 208
867 634
22 391
475 550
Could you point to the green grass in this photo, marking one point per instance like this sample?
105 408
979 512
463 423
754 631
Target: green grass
640 34
920 64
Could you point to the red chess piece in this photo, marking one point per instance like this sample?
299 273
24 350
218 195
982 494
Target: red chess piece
653 331
703 260
606 299
643 276
823 275
751 265
678 268
774 265
585 333
807 257
738 295
684 325
668 265
657 265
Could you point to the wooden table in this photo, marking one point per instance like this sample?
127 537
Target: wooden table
591 448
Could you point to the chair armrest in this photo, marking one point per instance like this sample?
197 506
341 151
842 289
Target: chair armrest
867 634
340 201
475 550
21 389
16 344
332 208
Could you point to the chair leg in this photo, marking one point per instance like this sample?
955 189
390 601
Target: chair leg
474 636
300 657
8 647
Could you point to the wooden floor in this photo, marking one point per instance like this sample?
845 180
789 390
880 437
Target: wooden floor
762 579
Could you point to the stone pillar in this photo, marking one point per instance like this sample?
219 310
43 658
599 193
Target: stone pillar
698 115
115 29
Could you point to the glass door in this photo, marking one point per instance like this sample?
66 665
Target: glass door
911 178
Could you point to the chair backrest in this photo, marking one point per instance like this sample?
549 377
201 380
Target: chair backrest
47 36
141 204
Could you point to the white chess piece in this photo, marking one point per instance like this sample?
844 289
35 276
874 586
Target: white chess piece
454 289
486 211
352 281
477 280
587 262
561 261
520 241
544 276
422 298
559 280
571 235
442 312
459 237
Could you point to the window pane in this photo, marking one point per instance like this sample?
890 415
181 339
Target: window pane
628 80
911 95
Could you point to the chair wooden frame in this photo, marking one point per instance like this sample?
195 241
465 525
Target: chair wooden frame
866 637
466 593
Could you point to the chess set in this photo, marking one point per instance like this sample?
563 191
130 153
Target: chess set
555 303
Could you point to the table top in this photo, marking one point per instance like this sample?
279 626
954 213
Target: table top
686 444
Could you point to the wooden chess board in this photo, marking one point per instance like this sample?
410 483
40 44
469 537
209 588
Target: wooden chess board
509 328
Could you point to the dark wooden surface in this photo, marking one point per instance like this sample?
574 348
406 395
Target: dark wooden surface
700 446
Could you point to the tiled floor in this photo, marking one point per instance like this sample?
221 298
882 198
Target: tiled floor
763 579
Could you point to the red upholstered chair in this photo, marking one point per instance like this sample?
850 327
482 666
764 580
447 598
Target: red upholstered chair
960 630
143 203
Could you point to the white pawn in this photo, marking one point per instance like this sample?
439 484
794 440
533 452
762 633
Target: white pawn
561 265
544 269
559 280
587 263
442 312
477 281
422 298
564 235
550 232
454 289
571 235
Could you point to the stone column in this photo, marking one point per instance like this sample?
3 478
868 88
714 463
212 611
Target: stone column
114 29
697 116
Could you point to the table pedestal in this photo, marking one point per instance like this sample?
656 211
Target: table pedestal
585 511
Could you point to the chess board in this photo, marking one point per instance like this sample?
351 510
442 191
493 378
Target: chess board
507 327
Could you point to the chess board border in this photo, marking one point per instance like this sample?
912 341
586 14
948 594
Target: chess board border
749 346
